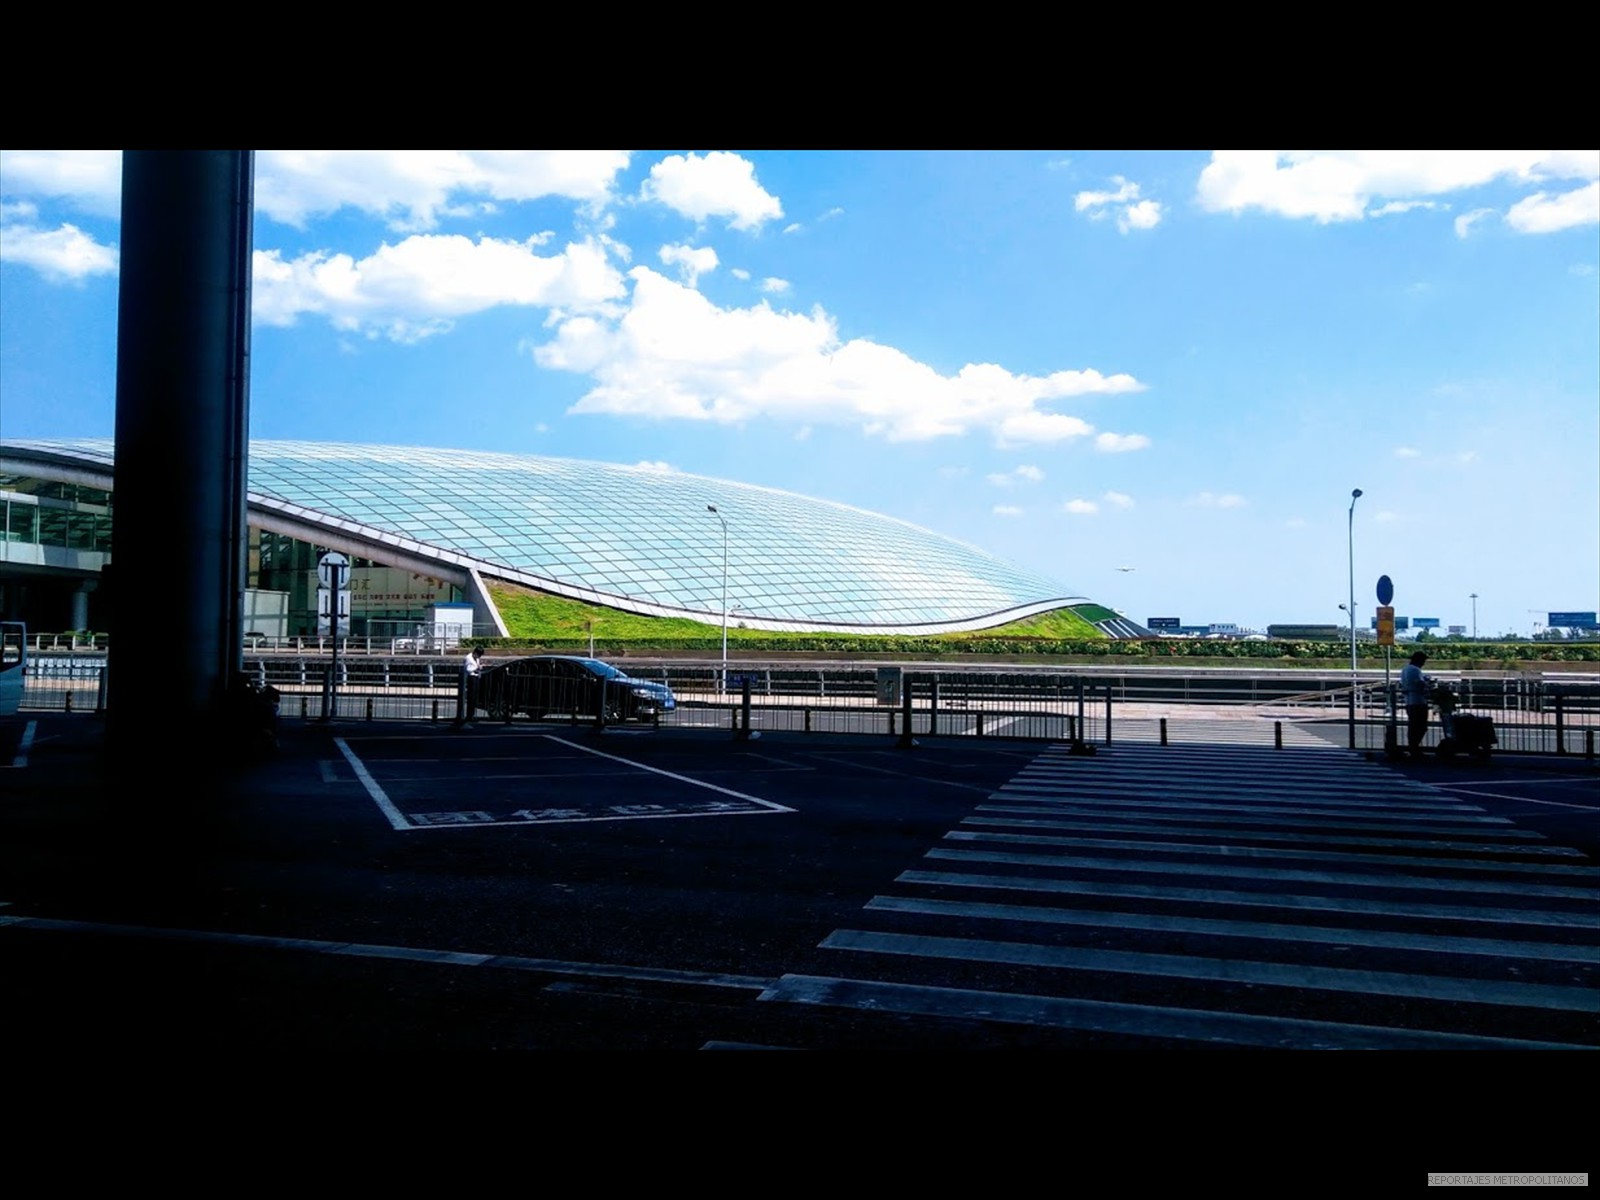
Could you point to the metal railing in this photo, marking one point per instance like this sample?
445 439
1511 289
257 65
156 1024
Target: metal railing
1530 715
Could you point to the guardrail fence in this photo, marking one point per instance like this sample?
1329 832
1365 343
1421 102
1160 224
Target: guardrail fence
1282 709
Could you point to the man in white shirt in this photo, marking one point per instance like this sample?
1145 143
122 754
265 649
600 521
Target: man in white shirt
1414 695
471 668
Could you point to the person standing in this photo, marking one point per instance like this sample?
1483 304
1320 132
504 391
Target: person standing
1414 695
467 701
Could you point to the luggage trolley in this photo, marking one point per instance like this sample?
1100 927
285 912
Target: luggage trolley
1464 733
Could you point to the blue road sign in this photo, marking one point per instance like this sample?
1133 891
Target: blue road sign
1572 620
1385 590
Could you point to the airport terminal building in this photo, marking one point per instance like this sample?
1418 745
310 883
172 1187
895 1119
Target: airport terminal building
427 531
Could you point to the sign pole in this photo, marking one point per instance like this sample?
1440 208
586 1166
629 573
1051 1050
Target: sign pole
333 573
1386 640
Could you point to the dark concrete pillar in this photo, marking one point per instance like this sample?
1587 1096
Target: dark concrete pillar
177 573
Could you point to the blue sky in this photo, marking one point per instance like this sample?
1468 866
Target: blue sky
1178 362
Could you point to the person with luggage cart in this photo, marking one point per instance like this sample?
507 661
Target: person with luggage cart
1414 688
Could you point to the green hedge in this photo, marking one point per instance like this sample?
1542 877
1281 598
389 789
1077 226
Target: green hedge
1461 654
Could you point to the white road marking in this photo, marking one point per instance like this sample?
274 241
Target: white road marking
21 759
385 805
673 775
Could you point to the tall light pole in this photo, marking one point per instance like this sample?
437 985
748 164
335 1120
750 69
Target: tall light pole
712 509
1474 599
1354 496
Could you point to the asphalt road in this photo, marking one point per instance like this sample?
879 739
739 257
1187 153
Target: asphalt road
408 887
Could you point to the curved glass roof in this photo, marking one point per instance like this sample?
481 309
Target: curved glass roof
638 538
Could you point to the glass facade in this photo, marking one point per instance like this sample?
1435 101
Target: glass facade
630 537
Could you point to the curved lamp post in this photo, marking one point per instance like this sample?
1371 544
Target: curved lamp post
712 509
1354 496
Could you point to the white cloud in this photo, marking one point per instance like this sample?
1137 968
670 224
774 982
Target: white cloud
61 255
1345 185
1544 213
657 467
410 189
775 286
1396 207
1006 510
1022 474
1120 443
414 288
1407 452
674 354
1464 223
1124 203
1384 516
719 184
1212 500
413 189
1467 456
1030 427
691 261
90 179
1144 215
1118 499
1081 507
740 273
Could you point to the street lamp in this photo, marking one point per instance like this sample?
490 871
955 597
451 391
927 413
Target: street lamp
712 509
1354 496
1474 599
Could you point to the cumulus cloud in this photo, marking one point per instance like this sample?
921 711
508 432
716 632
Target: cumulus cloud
691 261
62 255
1118 499
1546 213
1015 476
774 286
1120 443
415 288
1122 203
410 189
674 354
1006 510
1407 452
413 189
658 467
1465 223
719 184
1080 507
1347 185
88 179
1212 500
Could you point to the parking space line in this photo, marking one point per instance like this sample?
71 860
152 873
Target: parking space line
700 783
396 818
21 759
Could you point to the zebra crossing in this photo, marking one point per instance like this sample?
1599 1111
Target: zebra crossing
1229 895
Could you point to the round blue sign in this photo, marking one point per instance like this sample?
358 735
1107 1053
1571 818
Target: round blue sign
1385 589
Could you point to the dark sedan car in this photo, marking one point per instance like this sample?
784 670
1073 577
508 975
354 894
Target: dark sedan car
569 686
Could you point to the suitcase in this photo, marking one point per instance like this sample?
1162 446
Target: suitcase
1468 734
